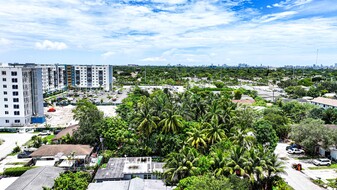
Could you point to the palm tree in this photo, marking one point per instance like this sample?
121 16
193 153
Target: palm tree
181 164
171 122
147 122
273 166
214 112
214 131
255 165
218 162
236 161
244 138
196 137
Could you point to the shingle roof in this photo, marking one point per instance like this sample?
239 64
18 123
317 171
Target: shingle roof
66 149
326 101
64 132
36 178
243 101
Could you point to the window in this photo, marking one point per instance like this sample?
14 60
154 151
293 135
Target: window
147 176
16 106
6 112
15 80
15 99
15 86
17 121
5 92
16 113
7 121
14 73
15 93
4 79
6 105
5 99
5 86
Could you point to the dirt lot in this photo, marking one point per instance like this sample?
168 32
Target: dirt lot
63 115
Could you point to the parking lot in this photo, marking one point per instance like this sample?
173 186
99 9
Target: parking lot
301 180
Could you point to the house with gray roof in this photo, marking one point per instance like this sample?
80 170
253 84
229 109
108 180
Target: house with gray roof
128 168
133 184
36 179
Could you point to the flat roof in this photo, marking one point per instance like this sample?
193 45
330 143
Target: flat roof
117 167
36 178
326 101
133 184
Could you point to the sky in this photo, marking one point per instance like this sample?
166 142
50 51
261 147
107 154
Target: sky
161 32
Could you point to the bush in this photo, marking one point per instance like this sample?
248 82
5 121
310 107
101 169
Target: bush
17 149
17 171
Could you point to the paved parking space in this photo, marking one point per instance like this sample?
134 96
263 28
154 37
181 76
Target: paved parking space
296 179
10 142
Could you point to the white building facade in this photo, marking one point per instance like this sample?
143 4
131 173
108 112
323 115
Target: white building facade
53 77
21 96
93 76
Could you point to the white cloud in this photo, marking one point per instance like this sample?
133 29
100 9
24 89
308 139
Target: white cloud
277 16
154 59
4 41
108 54
49 45
288 4
170 1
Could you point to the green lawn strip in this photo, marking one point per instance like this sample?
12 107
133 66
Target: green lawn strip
49 138
333 166
16 163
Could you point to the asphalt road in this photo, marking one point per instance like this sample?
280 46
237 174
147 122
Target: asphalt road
294 178
10 140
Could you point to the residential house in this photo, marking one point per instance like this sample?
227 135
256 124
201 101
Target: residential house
128 168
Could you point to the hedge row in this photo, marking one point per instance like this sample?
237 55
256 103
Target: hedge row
16 171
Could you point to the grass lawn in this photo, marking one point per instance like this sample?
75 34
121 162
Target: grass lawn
333 166
49 138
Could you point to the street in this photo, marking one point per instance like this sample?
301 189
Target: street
294 178
10 140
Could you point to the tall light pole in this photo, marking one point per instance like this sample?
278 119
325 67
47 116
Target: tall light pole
101 139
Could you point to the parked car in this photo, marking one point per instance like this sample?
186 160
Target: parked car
293 146
24 154
322 162
44 133
295 151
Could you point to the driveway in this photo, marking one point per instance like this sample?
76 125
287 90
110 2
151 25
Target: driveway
10 140
294 178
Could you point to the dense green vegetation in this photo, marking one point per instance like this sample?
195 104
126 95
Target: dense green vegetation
197 133
16 171
72 181
319 82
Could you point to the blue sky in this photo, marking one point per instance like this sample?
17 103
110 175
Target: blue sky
161 32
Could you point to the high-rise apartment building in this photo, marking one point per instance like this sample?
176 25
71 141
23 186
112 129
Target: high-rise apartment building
53 77
89 76
21 95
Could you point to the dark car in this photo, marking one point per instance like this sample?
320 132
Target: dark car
293 146
24 154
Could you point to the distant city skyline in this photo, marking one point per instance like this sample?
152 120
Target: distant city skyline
162 32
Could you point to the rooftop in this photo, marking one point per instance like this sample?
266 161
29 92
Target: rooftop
65 149
69 130
326 101
133 184
117 167
36 178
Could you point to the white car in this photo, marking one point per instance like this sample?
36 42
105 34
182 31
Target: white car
322 162
295 151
